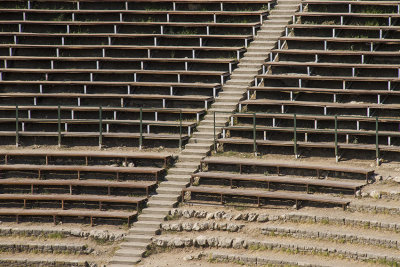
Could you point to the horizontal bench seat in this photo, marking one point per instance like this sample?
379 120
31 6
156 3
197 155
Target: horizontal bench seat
78 183
322 90
164 98
343 27
104 135
352 2
320 104
166 158
55 213
328 78
332 65
314 117
291 165
261 194
117 59
115 110
352 14
67 122
79 169
76 198
336 52
136 12
328 145
130 47
278 180
310 130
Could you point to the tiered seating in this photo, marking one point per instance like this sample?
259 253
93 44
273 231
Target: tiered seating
337 65
273 175
43 182
133 58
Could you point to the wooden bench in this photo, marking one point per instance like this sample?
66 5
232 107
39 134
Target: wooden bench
64 123
120 97
74 198
290 165
74 110
79 169
277 180
75 15
147 186
103 49
327 145
308 131
334 53
139 38
323 105
165 158
261 194
68 213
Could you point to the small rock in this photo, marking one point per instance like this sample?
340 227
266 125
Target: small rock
252 217
364 194
379 177
210 216
188 258
237 217
227 217
237 243
196 227
131 164
232 227
225 242
176 227
219 214
188 242
165 227
375 194
178 243
201 240
187 226
188 213
396 179
262 218
212 241
358 193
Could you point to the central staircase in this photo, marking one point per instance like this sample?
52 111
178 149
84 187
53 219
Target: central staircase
169 191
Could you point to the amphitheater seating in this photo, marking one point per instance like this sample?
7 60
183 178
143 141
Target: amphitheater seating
78 181
337 60
254 180
169 58
262 195
278 166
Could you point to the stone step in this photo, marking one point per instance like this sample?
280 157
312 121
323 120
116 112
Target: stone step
192 158
162 204
188 164
276 21
145 231
241 82
253 54
280 17
124 261
282 12
173 184
157 210
251 61
209 135
138 238
129 253
197 146
228 98
165 197
135 245
194 140
142 223
263 44
180 170
169 190
236 94
194 151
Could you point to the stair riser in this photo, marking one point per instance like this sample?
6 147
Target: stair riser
133 254
161 205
